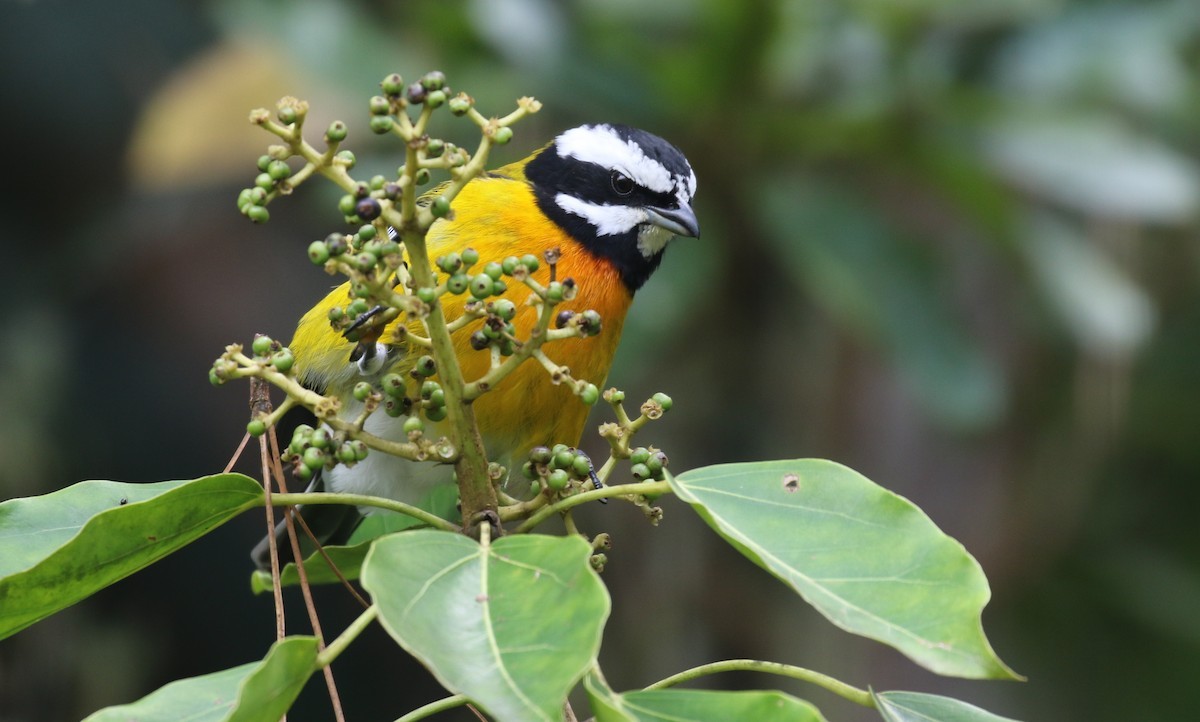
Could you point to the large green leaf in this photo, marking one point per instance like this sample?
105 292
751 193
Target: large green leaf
695 705
62 547
255 692
868 559
917 707
513 625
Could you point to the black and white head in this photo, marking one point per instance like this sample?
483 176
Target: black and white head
621 192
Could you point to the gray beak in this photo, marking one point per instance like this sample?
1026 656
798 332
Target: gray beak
681 221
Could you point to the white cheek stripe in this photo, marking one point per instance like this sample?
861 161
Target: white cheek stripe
607 220
601 145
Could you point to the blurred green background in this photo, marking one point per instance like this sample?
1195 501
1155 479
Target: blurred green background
950 244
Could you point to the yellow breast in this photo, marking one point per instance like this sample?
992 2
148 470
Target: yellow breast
498 216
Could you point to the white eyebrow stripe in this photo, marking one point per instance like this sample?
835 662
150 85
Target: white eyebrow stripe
607 220
603 146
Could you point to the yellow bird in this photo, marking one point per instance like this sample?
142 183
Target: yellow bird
610 197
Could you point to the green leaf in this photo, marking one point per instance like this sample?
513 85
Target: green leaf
255 692
693 705
512 626
62 547
868 559
917 707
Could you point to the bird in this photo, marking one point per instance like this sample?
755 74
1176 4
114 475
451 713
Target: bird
609 197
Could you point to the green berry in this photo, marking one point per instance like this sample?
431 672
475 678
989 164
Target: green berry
458 283
614 396
346 158
558 480
470 256
261 345
640 472
357 308
528 471
440 207
366 233
502 135
499 287
530 262
413 424
345 454
318 252
435 99
320 439
214 378
563 458
422 177
581 466
436 414
393 385
362 390
435 147
393 408
336 132
554 292
278 170
504 309
303 473
379 105
493 269
639 455
365 262
393 84
481 286
590 394
426 294
428 387
663 400
437 398
313 458
360 449
425 366
381 124
376 182
346 205
449 263
256 427
264 162
509 264
434 80
656 462
264 181
282 360
287 115
460 104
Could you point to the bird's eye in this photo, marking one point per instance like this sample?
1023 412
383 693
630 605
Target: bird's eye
621 183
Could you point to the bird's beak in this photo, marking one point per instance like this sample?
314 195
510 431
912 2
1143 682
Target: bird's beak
681 221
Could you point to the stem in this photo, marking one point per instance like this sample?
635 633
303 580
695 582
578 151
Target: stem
642 487
854 694
329 497
433 708
348 635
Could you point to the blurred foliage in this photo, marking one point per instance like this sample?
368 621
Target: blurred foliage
952 245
